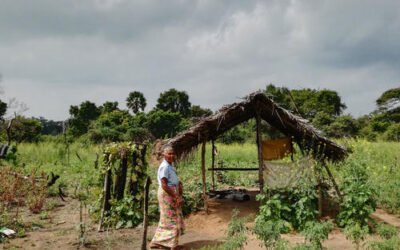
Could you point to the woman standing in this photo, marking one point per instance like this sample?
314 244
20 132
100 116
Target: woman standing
170 201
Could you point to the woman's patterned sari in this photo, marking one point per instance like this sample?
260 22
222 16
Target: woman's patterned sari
171 224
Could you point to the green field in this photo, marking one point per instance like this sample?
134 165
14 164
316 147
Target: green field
81 171
77 168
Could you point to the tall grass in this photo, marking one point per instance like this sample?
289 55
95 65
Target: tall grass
75 165
382 160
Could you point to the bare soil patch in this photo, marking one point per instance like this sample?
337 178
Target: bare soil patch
60 231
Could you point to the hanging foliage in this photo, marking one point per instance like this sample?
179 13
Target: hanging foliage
124 175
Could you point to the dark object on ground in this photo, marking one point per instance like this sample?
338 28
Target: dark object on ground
3 150
52 179
234 194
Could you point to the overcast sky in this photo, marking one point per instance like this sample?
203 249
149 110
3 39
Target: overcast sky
57 53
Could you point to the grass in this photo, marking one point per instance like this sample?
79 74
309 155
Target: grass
77 168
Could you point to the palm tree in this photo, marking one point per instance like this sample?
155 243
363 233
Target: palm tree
136 101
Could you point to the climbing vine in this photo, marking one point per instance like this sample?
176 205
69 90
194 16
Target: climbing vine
124 172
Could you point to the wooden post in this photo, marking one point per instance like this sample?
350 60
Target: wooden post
320 198
213 164
119 187
145 213
333 180
259 149
106 197
203 174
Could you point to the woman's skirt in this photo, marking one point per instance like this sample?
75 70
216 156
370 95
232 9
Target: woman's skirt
171 224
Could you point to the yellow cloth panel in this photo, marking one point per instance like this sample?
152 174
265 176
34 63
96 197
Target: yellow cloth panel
276 149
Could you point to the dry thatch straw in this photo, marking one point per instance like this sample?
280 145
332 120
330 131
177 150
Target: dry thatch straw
304 134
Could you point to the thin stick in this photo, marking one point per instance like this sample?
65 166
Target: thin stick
145 213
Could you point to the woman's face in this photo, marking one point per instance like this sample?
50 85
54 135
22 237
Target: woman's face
169 156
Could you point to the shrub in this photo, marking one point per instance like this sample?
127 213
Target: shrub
125 213
356 233
358 201
392 133
315 232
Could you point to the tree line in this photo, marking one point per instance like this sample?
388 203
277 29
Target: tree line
174 112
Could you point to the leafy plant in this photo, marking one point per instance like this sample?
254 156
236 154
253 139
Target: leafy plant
236 232
358 202
356 233
125 213
315 232
270 231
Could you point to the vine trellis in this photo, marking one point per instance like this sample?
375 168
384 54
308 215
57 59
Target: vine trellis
124 173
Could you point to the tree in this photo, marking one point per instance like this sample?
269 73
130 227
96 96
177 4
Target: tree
82 116
280 95
197 111
26 129
389 106
108 107
110 126
163 123
3 109
50 127
307 102
389 100
136 101
343 126
174 101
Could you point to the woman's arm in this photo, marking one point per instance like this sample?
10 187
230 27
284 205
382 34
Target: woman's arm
169 190
176 196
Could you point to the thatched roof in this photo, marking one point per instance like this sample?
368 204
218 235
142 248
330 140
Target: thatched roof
303 133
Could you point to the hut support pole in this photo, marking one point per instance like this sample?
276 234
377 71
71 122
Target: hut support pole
203 174
213 164
260 160
332 179
320 198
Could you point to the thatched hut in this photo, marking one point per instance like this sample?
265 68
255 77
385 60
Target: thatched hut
259 106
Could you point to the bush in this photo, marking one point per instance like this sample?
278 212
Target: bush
358 201
356 233
392 133
315 232
270 231
125 213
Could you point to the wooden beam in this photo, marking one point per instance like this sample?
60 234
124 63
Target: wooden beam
213 163
203 174
259 150
233 169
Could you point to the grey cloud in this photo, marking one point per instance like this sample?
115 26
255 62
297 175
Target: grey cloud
217 51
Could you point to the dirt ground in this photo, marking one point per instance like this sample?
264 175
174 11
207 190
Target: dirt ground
60 229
